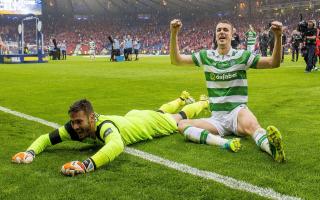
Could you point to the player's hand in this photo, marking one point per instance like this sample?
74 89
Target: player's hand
276 28
22 157
175 25
73 168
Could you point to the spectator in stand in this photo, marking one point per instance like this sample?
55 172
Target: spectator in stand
235 41
153 34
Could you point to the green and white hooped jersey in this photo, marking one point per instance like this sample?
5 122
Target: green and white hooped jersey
226 77
92 45
251 37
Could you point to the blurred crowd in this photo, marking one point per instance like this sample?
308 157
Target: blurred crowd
152 34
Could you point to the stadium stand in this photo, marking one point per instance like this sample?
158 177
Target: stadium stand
154 33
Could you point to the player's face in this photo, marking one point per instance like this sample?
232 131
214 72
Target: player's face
223 34
310 24
82 124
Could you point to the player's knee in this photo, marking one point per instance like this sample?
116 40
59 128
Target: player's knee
247 122
251 126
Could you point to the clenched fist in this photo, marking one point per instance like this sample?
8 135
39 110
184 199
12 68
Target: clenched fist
175 25
276 28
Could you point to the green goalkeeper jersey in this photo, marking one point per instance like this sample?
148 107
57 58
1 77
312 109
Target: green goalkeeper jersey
114 132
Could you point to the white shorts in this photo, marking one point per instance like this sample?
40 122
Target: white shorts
226 124
92 52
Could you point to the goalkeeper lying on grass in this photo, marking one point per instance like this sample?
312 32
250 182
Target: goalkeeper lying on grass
116 131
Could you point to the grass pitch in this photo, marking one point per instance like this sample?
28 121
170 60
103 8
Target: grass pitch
285 97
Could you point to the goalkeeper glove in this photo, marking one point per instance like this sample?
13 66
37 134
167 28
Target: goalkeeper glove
23 157
74 168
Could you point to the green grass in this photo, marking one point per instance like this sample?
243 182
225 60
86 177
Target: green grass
284 97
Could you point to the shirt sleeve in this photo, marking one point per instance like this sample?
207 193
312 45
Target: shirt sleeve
49 139
197 57
113 147
252 60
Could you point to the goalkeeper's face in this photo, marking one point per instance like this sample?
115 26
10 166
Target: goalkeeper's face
82 123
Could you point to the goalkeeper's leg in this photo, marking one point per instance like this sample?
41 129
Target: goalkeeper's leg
173 106
192 110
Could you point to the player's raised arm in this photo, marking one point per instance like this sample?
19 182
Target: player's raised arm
175 56
274 60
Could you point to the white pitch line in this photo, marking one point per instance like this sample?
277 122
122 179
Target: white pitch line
225 180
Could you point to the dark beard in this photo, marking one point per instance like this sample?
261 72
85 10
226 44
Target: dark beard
83 133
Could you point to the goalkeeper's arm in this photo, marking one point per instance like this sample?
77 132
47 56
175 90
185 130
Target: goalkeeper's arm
112 148
40 144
